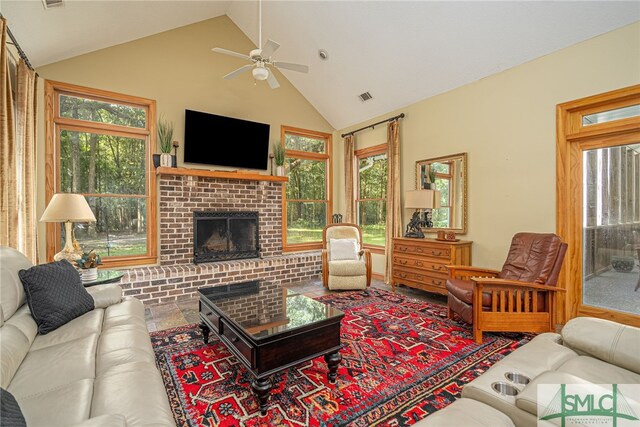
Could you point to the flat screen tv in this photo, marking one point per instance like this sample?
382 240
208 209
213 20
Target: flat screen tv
210 139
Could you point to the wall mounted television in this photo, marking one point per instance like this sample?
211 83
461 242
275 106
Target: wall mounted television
210 139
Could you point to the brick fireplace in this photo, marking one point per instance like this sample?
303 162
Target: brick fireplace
181 196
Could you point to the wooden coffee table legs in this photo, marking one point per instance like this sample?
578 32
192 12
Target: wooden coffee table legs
262 386
333 361
205 332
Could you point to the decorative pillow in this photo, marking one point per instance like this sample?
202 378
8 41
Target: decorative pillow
342 249
11 413
55 294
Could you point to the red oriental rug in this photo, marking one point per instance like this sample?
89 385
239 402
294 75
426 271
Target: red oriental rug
402 360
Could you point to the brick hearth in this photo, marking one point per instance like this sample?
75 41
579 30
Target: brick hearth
177 277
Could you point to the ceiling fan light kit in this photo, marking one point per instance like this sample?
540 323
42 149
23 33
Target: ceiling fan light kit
261 59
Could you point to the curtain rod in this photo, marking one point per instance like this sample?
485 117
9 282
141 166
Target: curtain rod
18 48
390 119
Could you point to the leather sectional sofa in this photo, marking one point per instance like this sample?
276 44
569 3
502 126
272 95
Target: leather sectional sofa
588 350
96 370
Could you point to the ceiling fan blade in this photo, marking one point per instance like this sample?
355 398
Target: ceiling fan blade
269 48
273 82
237 72
231 53
293 67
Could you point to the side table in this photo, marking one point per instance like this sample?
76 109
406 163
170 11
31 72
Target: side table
105 276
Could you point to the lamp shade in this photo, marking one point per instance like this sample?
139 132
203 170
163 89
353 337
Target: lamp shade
68 207
422 199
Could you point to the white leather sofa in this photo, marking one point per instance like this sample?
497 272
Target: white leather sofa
96 370
588 350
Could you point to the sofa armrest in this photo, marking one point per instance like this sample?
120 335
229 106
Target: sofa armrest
466 271
108 420
105 295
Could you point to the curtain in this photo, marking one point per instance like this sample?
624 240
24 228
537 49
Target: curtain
349 160
17 154
26 160
394 213
8 215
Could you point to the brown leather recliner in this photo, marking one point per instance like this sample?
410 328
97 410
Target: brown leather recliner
518 298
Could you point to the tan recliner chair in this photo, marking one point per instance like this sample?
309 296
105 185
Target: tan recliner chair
345 274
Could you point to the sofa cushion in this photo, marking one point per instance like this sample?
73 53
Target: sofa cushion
599 372
55 294
467 413
609 341
11 290
61 406
10 410
527 399
105 295
87 324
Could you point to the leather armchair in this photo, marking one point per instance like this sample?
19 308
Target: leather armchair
345 274
518 298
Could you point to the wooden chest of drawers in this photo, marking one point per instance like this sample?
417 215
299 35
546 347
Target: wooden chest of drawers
420 263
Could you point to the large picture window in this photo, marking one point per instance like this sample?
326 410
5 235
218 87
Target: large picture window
99 145
371 195
307 198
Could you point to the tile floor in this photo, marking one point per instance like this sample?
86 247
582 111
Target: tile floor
165 316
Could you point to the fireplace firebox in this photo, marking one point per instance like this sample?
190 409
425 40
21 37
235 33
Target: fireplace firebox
220 236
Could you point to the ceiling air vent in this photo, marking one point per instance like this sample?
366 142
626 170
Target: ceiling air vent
48 4
365 96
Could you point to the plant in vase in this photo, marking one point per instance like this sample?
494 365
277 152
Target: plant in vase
89 263
431 184
278 153
165 138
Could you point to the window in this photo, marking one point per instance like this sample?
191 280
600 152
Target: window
99 145
371 194
307 195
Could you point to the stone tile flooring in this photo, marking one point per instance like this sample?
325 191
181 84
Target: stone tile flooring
165 316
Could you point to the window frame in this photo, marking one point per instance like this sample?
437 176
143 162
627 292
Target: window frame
307 155
54 124
449 178
360 154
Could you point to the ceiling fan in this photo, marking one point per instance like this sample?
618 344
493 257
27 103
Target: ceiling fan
261 59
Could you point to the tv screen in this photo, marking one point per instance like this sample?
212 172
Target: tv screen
210 139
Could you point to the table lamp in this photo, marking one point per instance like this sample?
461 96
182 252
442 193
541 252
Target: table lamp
68 208
420 200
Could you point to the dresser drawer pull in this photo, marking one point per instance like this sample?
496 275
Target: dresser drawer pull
419 277
436 253
436 267
402 275
437 282
419 250
234 339
403 261
403 248
418 263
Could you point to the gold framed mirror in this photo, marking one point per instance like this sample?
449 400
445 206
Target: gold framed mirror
448 175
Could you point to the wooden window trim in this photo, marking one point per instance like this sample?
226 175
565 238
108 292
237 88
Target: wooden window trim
327 156
358 154
572 139
54 123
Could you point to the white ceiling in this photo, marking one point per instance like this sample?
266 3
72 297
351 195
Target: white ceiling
399 51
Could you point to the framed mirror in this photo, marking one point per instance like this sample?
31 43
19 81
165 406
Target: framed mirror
448 175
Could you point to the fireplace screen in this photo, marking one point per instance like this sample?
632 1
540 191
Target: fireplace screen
220 236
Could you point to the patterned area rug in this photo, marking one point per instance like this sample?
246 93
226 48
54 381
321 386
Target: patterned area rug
402 360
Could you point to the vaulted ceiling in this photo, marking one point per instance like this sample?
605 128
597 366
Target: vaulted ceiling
399 51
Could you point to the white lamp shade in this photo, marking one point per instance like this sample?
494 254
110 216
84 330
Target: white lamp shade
68 207
422 199
260 73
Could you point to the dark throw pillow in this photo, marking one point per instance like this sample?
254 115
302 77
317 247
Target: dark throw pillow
11 413
55 294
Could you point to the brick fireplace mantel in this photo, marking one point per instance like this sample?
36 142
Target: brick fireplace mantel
242 176
184 191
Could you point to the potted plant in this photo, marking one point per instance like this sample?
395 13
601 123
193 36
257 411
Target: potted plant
165 138
623 263
278 153
89 263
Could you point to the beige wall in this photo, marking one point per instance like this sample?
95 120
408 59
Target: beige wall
179 71
506 122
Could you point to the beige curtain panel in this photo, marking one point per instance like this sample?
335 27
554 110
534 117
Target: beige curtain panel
349 177
394 212
17 154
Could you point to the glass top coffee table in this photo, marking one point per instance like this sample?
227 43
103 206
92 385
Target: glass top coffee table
270 328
